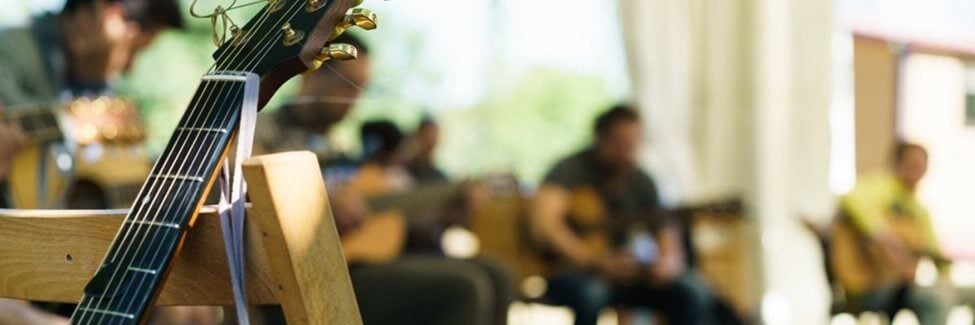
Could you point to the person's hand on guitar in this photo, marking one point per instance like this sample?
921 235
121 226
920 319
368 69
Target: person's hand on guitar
476 196
670 263
12 139
620 267
348 208
899 254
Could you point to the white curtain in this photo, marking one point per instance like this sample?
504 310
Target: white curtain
736 94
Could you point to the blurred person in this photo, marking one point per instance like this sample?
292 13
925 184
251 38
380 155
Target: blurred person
80 50
384 171
875 204
425 141
588 281
77 52
410 289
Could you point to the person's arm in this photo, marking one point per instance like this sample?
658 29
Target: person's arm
549 210
13 312
932 245
671 262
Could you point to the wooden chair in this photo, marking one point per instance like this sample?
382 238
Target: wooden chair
294 257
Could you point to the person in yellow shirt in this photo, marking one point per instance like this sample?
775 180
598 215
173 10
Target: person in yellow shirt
884 209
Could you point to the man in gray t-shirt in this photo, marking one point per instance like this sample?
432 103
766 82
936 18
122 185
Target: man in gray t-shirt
638 257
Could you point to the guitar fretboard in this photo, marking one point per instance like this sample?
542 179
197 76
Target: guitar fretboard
138 259
38 124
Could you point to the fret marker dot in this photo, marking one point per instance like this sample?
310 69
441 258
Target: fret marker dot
68 258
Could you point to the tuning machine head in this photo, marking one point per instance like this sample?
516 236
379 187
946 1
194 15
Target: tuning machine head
335 51
361 17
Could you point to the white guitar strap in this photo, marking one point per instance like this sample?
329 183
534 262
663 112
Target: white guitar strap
233 196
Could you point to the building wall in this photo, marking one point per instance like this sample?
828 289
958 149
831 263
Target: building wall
933 113
875 93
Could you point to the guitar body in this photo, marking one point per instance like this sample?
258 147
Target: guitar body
379 239
118 171
106 137
381 236
398 206
587 214
36 181
861 265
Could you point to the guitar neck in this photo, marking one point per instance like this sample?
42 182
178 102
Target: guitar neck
38 124
422 197
139 258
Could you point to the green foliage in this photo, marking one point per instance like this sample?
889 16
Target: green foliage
526 120
523 126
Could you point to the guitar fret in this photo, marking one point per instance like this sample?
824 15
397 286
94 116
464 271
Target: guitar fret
195 129
142 270
234 76
179 177
175 187
155 223
106 312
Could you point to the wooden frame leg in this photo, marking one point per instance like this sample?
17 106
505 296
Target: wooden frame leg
299 235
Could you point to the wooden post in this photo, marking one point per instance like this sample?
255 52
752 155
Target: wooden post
299 233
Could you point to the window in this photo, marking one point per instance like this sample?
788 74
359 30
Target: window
970 95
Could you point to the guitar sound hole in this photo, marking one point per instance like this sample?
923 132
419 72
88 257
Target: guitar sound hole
68 258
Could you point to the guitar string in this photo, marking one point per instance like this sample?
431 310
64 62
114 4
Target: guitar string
253 59
190 119
136 214
180 186
142 211
226 120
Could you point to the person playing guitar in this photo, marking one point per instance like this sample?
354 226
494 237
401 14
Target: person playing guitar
410 290
891 231
581 212
77 52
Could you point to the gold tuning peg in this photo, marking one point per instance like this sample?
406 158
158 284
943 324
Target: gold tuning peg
335 51
361 17
338 51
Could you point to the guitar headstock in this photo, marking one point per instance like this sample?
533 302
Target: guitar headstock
288 37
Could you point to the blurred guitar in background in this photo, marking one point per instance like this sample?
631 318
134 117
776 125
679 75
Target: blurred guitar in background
393 214
86 153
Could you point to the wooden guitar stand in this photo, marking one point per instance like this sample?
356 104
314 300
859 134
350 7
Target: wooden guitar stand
294 257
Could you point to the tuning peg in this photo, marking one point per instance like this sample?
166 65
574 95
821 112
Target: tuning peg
335 51
338 51
361 17
291 36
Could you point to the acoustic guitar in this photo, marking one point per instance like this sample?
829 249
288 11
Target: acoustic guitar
40 172
603 234
382 236
285 38
95 142
860 264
